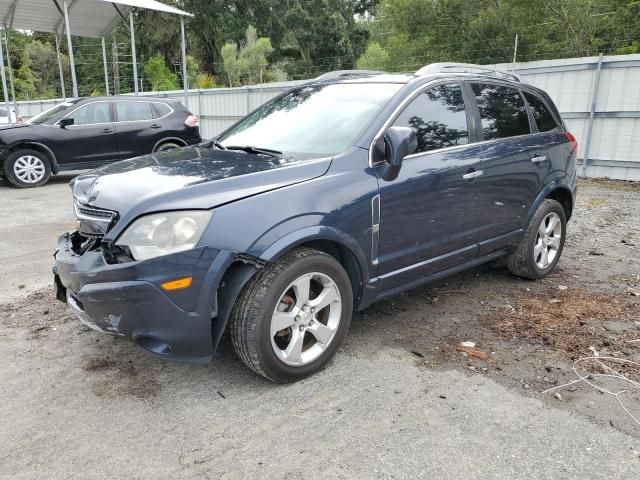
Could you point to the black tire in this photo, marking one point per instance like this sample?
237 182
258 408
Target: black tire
14 156
521 262
167 146
250 320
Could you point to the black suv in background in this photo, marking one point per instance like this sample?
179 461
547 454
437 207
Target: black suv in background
92 132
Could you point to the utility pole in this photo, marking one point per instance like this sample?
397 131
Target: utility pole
515 53
116 66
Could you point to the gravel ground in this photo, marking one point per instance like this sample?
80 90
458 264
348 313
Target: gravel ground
402 398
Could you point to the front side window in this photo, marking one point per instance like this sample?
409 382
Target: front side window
52 112
502 111
438 117
91 113
134 111
541 114
314 120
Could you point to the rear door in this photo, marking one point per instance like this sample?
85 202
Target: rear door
512 176
429 220
138 127
91 140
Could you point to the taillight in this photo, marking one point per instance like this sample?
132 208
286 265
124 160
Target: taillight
572 140
192 121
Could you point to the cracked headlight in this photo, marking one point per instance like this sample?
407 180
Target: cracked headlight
164 233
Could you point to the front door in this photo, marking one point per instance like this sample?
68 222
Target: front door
138 127
429 217
91 140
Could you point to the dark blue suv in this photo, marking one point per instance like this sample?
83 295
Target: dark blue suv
336 194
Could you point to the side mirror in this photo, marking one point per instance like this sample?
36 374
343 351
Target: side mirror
398 143
65 122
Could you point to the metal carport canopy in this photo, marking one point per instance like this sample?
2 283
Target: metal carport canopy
85 18
88 18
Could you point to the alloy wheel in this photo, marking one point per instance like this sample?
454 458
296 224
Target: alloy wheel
306 319
548 238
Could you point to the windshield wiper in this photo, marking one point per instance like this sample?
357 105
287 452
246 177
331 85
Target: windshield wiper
257 150
217 144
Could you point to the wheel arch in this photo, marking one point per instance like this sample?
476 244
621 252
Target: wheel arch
563 196
333 242
40 147
556 190
169 140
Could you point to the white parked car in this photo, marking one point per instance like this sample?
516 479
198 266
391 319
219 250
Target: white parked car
4 119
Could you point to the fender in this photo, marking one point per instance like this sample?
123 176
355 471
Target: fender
55 168
167 139
555 184
317 232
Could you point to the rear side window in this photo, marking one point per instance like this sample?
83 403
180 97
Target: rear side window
438 117
91 113
133 111
543 117
502 111
162 108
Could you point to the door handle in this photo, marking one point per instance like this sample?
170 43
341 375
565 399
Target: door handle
155 125
539 159
107 130
473 175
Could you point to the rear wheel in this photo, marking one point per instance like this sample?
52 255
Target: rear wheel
167 146
27 168
293 315
541 246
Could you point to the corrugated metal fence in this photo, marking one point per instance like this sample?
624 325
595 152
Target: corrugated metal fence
600 95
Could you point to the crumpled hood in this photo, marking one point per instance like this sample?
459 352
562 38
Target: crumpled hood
191 177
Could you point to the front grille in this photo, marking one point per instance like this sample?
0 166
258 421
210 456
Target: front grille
86 212
93 221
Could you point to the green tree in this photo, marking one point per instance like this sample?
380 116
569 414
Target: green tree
374 58
247 63
254 53
157 72
234 65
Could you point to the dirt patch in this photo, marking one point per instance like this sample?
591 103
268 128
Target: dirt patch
117 379
573 322
39 314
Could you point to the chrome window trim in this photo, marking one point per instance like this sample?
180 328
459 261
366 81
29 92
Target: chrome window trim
398 110
57 123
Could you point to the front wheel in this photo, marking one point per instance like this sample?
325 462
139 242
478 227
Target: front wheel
293 315
27 168
541 246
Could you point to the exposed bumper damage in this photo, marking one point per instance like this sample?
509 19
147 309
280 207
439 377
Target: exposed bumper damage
125 299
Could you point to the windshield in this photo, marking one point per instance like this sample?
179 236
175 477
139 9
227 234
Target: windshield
317 119
52 112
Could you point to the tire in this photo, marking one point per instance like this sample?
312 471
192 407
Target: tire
539 250
167 146
27 168
281 285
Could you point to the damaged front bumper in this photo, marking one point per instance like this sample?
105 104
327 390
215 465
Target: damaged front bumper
125 299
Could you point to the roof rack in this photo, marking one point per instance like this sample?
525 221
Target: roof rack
346 74
465 68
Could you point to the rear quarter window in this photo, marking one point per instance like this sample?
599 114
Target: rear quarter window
502 111
162 108
541 114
